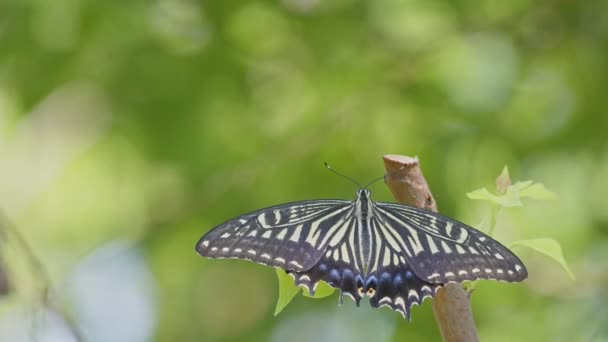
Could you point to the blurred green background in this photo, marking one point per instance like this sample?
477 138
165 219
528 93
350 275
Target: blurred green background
130 128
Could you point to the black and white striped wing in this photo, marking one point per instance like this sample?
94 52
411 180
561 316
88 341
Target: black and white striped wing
391 280
290 236
396 255
340 263
441 250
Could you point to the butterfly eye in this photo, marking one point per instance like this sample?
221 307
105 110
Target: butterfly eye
360 289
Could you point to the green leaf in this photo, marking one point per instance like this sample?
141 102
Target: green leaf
323 290
470 286
548 247
481 194
537 191
509 199
287 290
519 186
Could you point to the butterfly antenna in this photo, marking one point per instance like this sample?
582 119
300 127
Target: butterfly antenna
342 175
384 177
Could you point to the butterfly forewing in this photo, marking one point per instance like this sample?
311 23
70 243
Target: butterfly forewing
290 236
441 250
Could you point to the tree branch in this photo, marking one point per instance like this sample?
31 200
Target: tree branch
451 305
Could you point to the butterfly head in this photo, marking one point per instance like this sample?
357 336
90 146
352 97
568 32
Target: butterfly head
363 194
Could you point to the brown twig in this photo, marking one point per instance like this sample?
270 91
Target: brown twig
451 304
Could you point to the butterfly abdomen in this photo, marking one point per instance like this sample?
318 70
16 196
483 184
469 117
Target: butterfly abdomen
363 212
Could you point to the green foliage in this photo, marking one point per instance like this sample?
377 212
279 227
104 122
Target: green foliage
548 247
509 199
510 195
288 290
323 290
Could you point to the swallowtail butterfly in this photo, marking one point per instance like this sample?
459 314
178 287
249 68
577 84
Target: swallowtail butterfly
394 254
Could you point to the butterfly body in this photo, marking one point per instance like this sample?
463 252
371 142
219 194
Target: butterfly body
363 211
394 254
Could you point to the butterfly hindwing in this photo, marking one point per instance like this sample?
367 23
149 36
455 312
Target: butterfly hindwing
398 288
339 265
391 281
289 236
388 280
441 250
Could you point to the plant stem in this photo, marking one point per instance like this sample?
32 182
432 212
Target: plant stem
451 305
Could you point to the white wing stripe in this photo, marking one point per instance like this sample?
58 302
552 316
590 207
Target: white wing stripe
389 233
295 237
314 233
413 234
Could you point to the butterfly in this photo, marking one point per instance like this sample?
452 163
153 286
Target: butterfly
394 254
